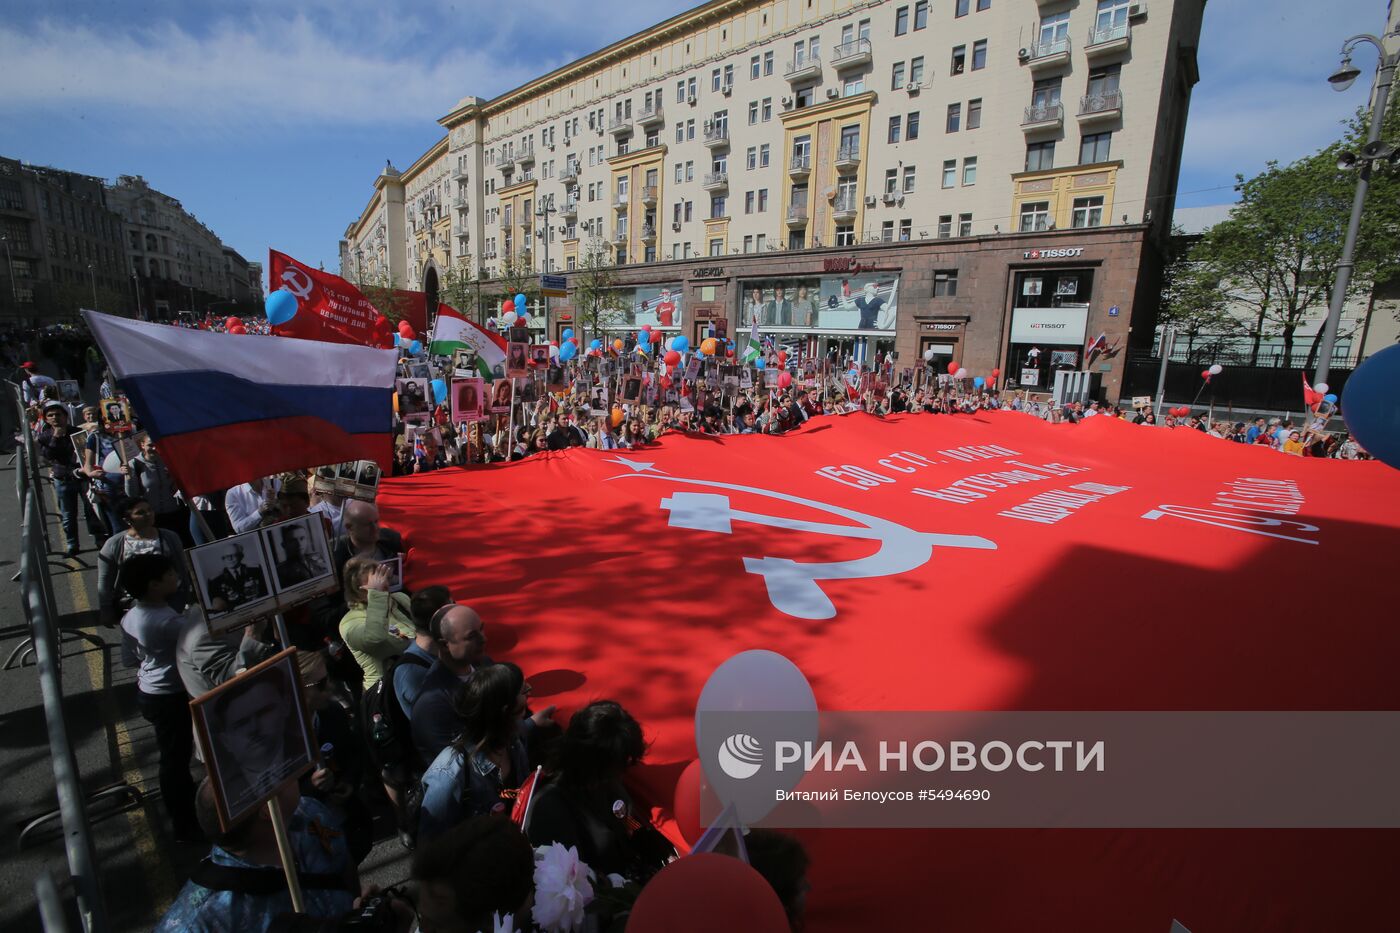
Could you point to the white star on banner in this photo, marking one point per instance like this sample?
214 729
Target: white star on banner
636 466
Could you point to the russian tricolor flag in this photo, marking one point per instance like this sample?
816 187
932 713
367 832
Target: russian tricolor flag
226 409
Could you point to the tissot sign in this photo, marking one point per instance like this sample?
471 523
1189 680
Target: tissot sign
1057 253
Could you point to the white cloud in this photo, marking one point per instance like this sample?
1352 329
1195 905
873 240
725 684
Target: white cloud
250 75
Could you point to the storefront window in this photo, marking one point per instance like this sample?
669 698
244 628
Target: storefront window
657 305
1048 324
829 302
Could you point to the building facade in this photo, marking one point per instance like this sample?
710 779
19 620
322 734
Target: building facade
62 246
180 265
782 138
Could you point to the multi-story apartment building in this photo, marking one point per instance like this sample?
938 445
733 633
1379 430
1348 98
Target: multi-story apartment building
181 266
62 245
975 178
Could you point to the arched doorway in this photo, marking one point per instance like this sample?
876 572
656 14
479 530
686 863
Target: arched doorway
430 294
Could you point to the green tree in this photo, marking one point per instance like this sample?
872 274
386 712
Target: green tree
381 292
517 277
458 287
597 302
1194 304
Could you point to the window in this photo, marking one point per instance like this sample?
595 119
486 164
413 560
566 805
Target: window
854 85
983 5
959 59
748 240
960 8
679 169
974 113
1094 148
1103 82
767 109
676 212
690 170
945 226
916 70
920 14
720 165
945 283
728 76
717 206
909 172
906 228
911 125
979 55
1112 15
1040 156
758 244
748 202
795 239
751 158
891 181
717 247
1035 215
806 96
1088 212
897 76
680 138
767 63
894 129
753 112
680 97
845 235
689 129
950 173
753 67
689 211
762 200
887 231
1045 95
763 155
1054 31
850 141
954 118
714 80
964 225
969 171
901 21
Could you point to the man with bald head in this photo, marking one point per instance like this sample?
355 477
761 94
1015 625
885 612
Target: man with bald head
461 650
364 537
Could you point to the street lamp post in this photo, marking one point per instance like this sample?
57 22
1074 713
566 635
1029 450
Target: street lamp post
1371 152
543 212
136 279
92 277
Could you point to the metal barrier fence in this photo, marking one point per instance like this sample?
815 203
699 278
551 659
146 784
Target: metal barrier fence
41 616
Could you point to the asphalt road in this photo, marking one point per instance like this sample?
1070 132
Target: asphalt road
140 864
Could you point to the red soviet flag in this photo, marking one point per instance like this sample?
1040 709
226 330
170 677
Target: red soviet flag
328 307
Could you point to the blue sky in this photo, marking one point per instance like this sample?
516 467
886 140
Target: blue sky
270 120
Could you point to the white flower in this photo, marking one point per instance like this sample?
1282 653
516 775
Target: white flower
563 888
501 924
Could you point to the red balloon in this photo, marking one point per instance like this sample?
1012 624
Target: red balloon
508 307
405 330
672 357
953 368
238 329
784 379
231 322
729 353
686 805
995 373
706 892
573 340
782 358
1205 374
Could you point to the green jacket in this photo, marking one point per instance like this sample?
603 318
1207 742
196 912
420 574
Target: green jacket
365 630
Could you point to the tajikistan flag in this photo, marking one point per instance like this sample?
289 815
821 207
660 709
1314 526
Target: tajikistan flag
754 349
454 332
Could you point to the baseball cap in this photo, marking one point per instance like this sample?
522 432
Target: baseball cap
51 405
26 365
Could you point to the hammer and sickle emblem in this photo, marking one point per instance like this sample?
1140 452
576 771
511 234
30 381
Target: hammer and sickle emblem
297 281
793 586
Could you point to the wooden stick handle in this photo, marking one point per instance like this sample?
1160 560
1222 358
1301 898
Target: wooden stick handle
284 849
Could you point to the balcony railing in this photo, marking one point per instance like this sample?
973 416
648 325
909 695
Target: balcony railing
803 66
621 200
1048 49
850 54
525 156
844 206
648 233
1109 102
716 134
1044 114
570 208
801 163
651 115
620 125
569 175
505 161
848 158
460 202
797 215
714 180
649 195
620 235
1106 34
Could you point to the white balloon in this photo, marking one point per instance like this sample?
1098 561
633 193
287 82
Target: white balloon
508 318
553 352
962 373
1217 369
1321 387
928 355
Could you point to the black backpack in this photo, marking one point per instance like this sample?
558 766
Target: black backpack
390 737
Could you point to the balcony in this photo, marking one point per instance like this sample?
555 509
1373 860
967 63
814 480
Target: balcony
851 54
847 158
621 200
717 135
649 196
505 161
569 175
648 233
1043 117
460 202
800 166
460 172
1042 56
620 236
525 156
715 181
569 211
1096 107
803 68
1107 41
651 116
844 208
620 125
797 216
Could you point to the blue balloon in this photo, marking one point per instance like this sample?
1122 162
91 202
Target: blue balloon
595 344
567 351
1368 405
281 307
416 347
568 332
439 391
1330 398
760 363
681 343
519 302
978 381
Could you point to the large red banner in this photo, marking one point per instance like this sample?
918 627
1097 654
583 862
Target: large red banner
1129 568
328 307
